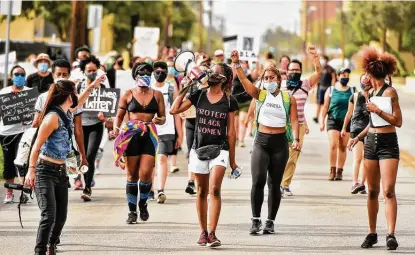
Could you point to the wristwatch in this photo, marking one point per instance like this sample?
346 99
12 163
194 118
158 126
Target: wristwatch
237 65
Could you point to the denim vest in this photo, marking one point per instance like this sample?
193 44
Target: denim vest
58 144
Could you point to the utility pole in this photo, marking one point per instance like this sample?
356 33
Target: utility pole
7 46
342 39
167 24
323 34
78 28
201 25
209 30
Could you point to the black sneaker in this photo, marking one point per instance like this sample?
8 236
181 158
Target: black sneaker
190 188
213 241
51 249
315 119
269 227
132 218
391 242
363 192
370 240
357 188
86 195
144 215
256 227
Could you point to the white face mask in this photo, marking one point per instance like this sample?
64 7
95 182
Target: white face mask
323 62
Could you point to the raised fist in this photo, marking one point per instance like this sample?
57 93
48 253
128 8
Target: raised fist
311 49
235 56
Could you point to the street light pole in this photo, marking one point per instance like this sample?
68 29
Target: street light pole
7 47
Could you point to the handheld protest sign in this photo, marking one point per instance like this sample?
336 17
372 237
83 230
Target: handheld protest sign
102 100
18 107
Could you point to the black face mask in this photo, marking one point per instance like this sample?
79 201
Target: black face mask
160 76
294 77
74 101
215 79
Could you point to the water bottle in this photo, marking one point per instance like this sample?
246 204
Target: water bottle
83 169
236 173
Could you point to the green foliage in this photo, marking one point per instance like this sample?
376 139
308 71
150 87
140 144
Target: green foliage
285 42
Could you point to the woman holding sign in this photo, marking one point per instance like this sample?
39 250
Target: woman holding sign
136 141
93 127
381 150
10 134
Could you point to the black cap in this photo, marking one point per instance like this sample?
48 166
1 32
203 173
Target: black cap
83 48
161 64
141 68
344 70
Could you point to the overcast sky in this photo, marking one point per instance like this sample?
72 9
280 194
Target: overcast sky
255 16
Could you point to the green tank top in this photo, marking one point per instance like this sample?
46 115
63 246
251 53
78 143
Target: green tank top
339 102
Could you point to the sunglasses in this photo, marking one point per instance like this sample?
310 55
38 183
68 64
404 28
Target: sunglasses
145 72
160 71
19 74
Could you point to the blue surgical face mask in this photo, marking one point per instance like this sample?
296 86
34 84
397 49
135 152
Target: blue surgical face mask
271 86
43 67
19 81
171 71
344 81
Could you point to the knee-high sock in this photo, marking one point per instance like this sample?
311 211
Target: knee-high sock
132 194
145 188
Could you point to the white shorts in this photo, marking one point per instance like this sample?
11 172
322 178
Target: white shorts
198 166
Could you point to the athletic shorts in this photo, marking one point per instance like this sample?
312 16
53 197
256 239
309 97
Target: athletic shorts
320 95
140 145
381 146
167 147
333 124
198 166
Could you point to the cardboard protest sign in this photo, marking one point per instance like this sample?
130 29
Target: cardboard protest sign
18 107
248 47
102 100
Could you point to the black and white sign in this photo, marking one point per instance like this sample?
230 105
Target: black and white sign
248 47
102 100
18 107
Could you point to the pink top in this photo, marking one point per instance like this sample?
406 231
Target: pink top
300 96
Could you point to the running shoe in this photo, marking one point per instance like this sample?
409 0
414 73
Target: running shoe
287 192
78 184
391 242
315 119
93 183
97 170
213 241
364 190
151 196
203 239
144 215
161 197
86 195
370 240
357 187
132 218
256 226
243 145
24 199
174 169
269 227
9 198
190 188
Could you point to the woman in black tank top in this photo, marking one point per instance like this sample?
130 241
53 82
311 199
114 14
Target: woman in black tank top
136 144
381 152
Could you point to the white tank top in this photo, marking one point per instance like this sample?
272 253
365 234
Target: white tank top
272 112
168 127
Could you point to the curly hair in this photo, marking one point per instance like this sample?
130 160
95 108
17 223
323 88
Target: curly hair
227 71
90 59
378 65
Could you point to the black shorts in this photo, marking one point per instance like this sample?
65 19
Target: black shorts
381 146
333 124
320 95
140 145
167 147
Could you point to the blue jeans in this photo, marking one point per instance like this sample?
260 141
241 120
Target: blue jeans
52 198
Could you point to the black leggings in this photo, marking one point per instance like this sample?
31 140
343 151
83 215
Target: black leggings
92 140
270 153
190 133
9 145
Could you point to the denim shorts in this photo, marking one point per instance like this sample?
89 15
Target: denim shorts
381 146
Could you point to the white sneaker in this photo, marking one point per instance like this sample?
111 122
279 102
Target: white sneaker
287 192
9 198
174 169
161 197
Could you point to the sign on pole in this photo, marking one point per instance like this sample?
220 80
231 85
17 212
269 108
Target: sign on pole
146 41
16 7
94 22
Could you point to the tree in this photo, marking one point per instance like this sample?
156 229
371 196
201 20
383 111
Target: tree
285 42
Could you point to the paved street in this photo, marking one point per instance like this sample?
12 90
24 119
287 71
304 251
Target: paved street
322 218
